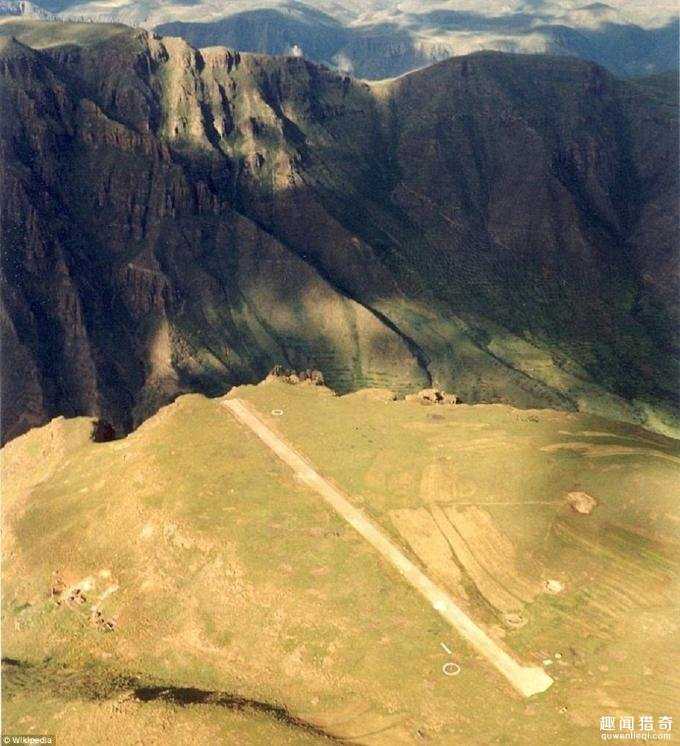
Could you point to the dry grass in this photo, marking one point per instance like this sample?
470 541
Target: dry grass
232 577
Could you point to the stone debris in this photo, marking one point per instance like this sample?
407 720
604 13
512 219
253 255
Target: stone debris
582 502
433 396
58 587
76 597
73 597
309 376
98 620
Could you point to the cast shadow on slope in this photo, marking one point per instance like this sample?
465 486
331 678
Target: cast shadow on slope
100 685
381 235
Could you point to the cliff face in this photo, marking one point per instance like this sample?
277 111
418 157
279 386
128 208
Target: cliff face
178 220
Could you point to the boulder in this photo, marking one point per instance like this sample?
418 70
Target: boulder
581 502
553 586
316 377
435 396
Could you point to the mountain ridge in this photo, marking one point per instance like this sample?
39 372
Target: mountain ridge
274 211
379 40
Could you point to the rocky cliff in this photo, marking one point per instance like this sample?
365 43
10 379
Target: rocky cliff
176 219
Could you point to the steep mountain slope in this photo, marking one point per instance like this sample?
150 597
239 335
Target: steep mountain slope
178 220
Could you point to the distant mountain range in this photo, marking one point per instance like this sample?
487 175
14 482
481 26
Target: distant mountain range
384 38
501 226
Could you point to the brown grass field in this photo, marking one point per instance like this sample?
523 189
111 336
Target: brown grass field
223 599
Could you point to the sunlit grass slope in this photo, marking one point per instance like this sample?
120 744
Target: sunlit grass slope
243 608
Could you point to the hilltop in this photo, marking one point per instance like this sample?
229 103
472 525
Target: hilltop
180 580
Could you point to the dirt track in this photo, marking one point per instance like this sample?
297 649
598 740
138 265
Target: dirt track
527 680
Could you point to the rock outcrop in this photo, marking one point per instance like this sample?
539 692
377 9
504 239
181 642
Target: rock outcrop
308 376
581 502
433 396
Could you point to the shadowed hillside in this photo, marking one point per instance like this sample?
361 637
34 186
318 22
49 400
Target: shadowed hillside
176 220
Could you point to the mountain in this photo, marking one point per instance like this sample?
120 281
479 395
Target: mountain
394 47
385 38
175 220
371 51
182 582
25 9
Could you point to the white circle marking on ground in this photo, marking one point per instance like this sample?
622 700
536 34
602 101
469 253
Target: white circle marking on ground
451 669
